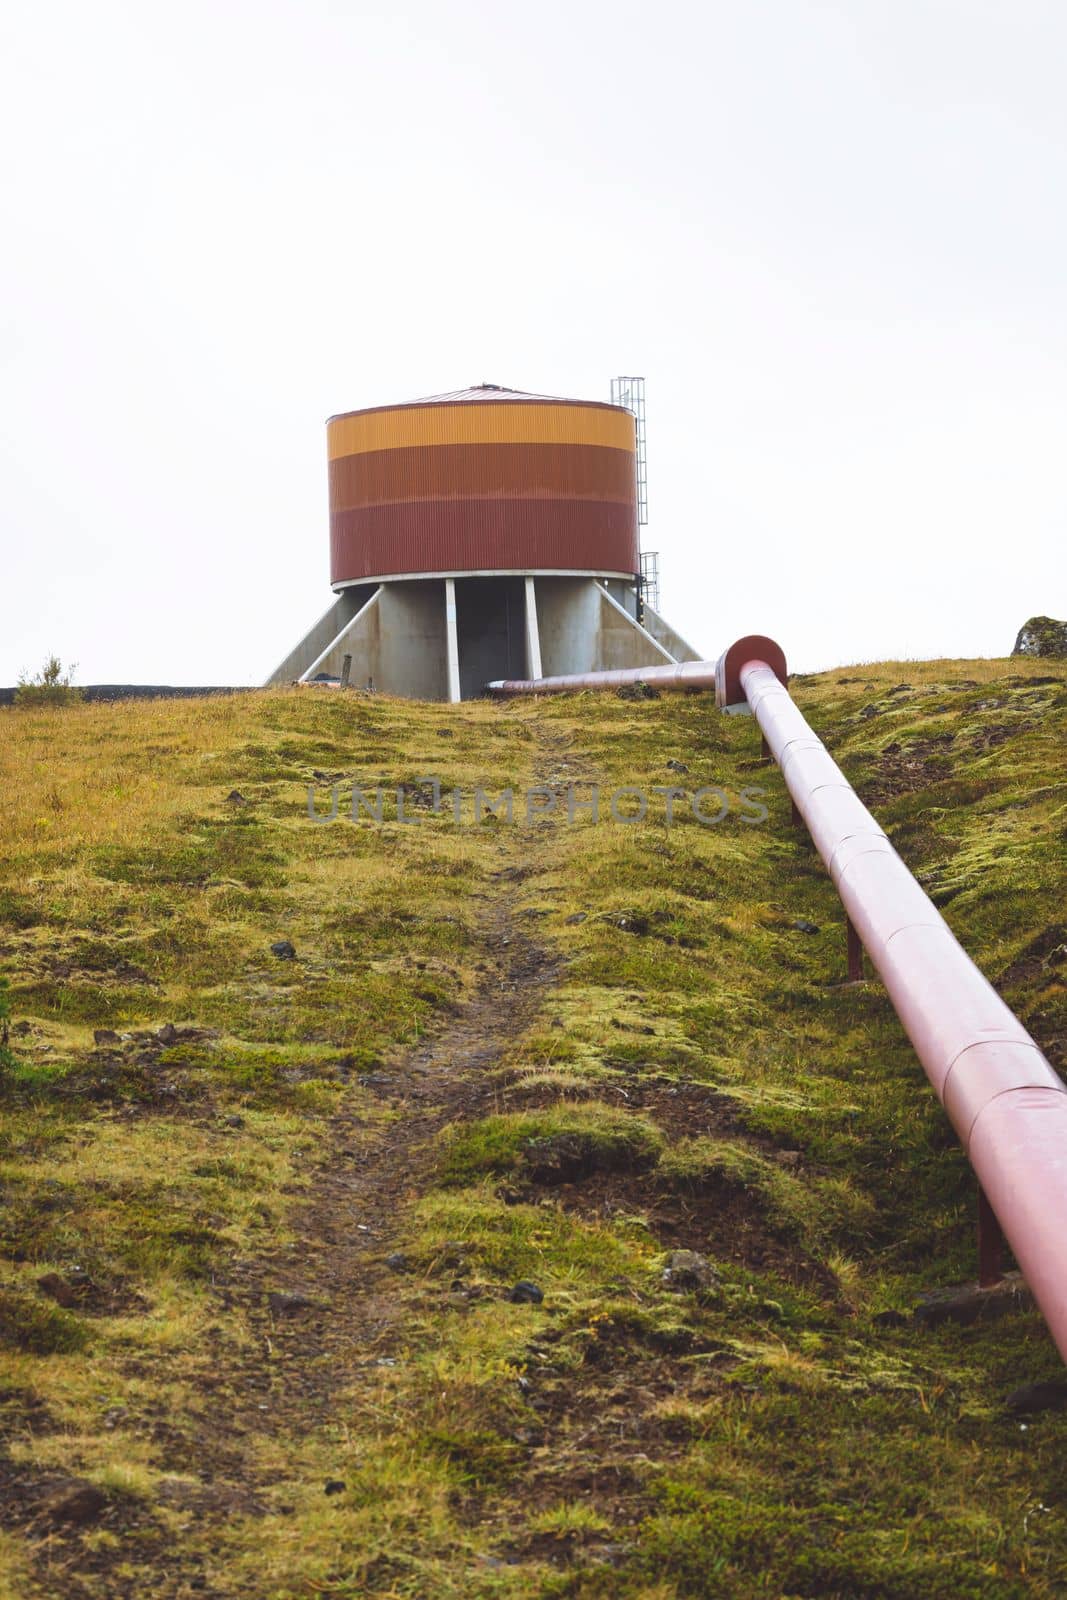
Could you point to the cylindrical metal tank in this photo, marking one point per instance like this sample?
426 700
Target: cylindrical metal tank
482 481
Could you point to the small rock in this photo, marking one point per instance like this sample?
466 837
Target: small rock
688 1269
334 1486
1035 1397
971 1303
284 949
105 1036
526 1293
285 1305
236 798
76 1502
629 922
611 1555
397 1261
900 688
375 1080
579 916
803 926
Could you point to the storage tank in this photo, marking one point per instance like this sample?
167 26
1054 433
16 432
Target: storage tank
481 534
485 480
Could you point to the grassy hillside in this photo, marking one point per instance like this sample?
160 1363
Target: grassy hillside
264 1214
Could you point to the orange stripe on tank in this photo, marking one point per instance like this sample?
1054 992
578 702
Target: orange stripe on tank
409 427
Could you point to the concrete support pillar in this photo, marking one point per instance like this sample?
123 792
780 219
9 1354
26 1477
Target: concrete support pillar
533 636
452 633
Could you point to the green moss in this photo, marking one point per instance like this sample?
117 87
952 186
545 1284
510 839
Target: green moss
587 1138
816 1208
503 1243
806 1550
18 910
38 1326
202 848
103 1005
481 1458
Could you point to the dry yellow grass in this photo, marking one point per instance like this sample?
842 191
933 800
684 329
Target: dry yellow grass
782 1434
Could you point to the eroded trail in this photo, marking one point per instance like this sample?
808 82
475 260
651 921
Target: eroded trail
328 1297
306 1328
326 1307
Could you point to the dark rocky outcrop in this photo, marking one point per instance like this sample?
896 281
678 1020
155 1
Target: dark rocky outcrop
1042 636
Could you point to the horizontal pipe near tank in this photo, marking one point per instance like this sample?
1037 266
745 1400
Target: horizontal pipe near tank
687 675
1003 1098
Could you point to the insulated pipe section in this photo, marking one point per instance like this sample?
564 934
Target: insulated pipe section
688 675
1000 1094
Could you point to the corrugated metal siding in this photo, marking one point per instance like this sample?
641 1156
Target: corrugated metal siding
463 471
470 422
483 535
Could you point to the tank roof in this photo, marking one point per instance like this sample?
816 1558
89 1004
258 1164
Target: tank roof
484 391
479 394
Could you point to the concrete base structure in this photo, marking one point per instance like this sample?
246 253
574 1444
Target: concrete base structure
445 638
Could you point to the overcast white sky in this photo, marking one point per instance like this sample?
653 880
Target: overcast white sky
832 235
